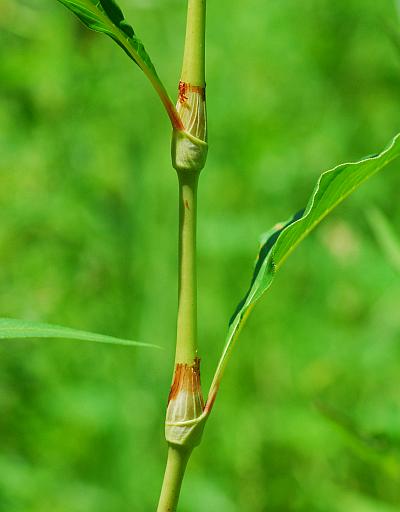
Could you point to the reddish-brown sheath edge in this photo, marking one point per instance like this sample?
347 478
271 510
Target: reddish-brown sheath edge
185 88
187 378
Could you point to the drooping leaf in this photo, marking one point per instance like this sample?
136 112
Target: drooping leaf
106 16
11 328
332 188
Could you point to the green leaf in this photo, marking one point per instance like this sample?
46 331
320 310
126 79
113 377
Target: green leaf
11 328
332 188
106 16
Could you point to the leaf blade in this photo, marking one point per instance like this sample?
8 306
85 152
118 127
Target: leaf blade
332 187
105 16
11 328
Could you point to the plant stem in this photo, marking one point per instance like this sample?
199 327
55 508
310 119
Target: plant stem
193 71
186 337
174 472
193 68
186 342
186 403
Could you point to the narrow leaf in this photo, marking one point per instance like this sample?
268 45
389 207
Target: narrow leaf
11 328
106 16
332 188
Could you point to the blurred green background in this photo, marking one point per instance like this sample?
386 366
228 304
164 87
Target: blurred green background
308 417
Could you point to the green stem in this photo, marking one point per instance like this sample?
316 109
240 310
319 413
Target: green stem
193 68
186 335
186 340
174 473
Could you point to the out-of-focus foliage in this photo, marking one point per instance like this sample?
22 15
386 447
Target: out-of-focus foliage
88 238
386 236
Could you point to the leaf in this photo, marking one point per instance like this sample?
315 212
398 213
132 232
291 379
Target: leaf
11 328
332 188
268 240
386 236
106 16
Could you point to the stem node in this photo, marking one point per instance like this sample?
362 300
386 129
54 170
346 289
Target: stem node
184 424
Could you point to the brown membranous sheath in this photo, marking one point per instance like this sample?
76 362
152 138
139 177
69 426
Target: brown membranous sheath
191 107
185 402
186 379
